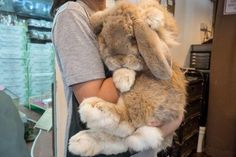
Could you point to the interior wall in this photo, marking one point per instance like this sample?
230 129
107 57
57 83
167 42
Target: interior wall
110 3
61 113
189 15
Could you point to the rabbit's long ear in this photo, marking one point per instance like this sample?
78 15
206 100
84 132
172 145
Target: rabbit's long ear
154 51
97 20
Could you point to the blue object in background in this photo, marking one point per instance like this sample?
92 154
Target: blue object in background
38 8
23 6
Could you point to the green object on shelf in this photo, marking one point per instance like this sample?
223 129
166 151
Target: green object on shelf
35 108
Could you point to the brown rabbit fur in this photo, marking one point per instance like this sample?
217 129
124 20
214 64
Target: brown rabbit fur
134 42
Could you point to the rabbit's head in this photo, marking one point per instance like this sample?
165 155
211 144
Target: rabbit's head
127 40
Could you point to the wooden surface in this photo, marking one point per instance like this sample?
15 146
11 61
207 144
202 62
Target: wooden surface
221 128
43 146
30 114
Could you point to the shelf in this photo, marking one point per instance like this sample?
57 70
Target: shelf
43 41
40 28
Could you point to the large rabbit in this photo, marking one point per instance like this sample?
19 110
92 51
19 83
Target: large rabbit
134 42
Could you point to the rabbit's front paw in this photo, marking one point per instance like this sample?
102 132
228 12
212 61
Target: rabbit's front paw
98 114
83 144
124 79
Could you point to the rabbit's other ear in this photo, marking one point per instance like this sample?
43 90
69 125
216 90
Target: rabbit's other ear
160 20
154 51
97 20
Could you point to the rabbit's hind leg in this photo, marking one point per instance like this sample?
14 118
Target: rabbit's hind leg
84 144
145 138
91 142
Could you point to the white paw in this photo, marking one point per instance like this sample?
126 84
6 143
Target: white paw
98 114
124 79
84 145
145 138
155 19
114 145
85 106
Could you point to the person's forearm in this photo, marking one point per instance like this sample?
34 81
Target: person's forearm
108 91
102 88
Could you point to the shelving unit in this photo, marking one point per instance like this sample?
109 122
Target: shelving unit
32 17
186 139
29 56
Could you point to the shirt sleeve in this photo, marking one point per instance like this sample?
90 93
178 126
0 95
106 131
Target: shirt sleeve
76 48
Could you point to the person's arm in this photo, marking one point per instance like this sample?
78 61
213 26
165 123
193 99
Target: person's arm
170 127
79 58
102 88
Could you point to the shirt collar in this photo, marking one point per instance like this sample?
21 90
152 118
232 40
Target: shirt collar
89 10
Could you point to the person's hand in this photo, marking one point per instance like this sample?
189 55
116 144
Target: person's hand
168 128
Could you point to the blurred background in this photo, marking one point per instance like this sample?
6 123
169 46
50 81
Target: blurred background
31 85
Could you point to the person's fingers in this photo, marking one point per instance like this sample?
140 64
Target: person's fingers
154 123
170 127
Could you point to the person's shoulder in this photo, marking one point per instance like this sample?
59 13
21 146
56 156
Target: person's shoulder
70 6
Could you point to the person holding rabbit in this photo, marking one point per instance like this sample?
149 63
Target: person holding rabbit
81 66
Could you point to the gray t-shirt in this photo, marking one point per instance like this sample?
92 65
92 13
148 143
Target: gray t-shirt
76 45
76 49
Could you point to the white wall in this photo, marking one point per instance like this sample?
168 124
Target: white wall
110 3
189 15
61 113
